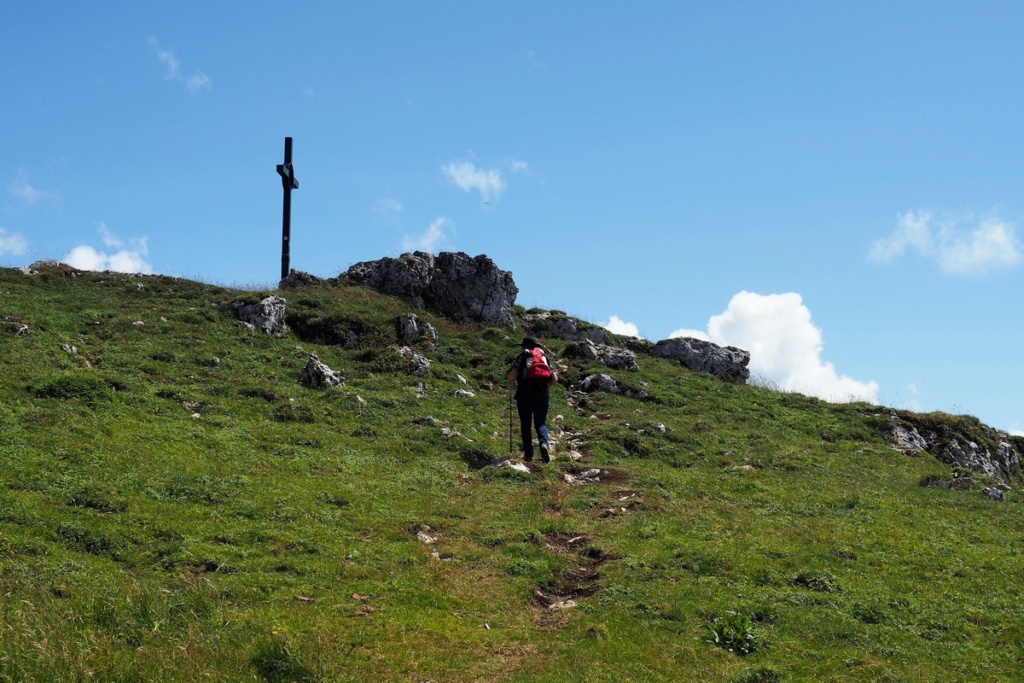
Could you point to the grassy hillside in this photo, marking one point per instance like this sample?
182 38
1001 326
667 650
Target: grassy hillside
175 506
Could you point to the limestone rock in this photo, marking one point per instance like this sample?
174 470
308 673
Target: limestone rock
297 279
600 383
998 459
725 362
316 375
267 315
613 357
462 287
418 365
908 440
412 331
560 326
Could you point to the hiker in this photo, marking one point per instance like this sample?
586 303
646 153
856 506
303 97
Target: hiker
533 376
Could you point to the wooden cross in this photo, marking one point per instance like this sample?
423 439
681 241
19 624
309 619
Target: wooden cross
287 173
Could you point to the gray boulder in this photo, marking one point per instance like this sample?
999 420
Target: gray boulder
412 331
600 383
316 375
418 365
267 315
908 440
559 326
725 362
297 279
462 287
613 357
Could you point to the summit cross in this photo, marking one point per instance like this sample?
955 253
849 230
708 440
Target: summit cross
287 173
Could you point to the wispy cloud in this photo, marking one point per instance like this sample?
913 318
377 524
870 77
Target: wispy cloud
430 239
959 246
130 256
196 83
468 177
22 189
389 209
12 243
618 326
785 346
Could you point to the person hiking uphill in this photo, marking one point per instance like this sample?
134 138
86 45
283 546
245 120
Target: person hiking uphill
533 376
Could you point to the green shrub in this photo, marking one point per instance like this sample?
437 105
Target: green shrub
85 388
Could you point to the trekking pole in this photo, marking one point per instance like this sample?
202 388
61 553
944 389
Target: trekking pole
510 418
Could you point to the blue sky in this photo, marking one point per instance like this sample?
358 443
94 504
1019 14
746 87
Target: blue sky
834 186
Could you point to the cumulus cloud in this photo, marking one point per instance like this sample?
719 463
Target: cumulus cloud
960 246
784 344
129 257
22 189
468 177
430 239
619 326
196 83
12 243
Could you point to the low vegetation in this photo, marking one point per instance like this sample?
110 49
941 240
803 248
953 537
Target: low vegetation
175 505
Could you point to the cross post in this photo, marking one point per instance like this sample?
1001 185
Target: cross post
287 173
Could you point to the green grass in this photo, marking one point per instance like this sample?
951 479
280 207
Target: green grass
275 536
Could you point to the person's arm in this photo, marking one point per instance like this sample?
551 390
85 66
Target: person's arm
513 372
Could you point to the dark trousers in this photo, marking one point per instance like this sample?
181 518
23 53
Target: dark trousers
533 414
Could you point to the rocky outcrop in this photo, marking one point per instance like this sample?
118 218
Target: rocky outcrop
418 365
462 287
267 315
557 325
608 385
297 279
988 452
725 362
316 375
613 357
411 330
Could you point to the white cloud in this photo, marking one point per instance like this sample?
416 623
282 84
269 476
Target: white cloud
619 326
195 83
12 243
21 188
468 177
517 166
956 246
389 209
1017 432
429 240
130 256
992 245
785 347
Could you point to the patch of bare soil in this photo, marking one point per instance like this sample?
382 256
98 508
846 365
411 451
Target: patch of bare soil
594 475
618 503
580 580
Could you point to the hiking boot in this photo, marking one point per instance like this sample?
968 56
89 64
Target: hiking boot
544 455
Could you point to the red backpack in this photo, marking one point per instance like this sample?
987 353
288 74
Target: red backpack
537 365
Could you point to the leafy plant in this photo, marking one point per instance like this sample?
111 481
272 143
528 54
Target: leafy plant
735 633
